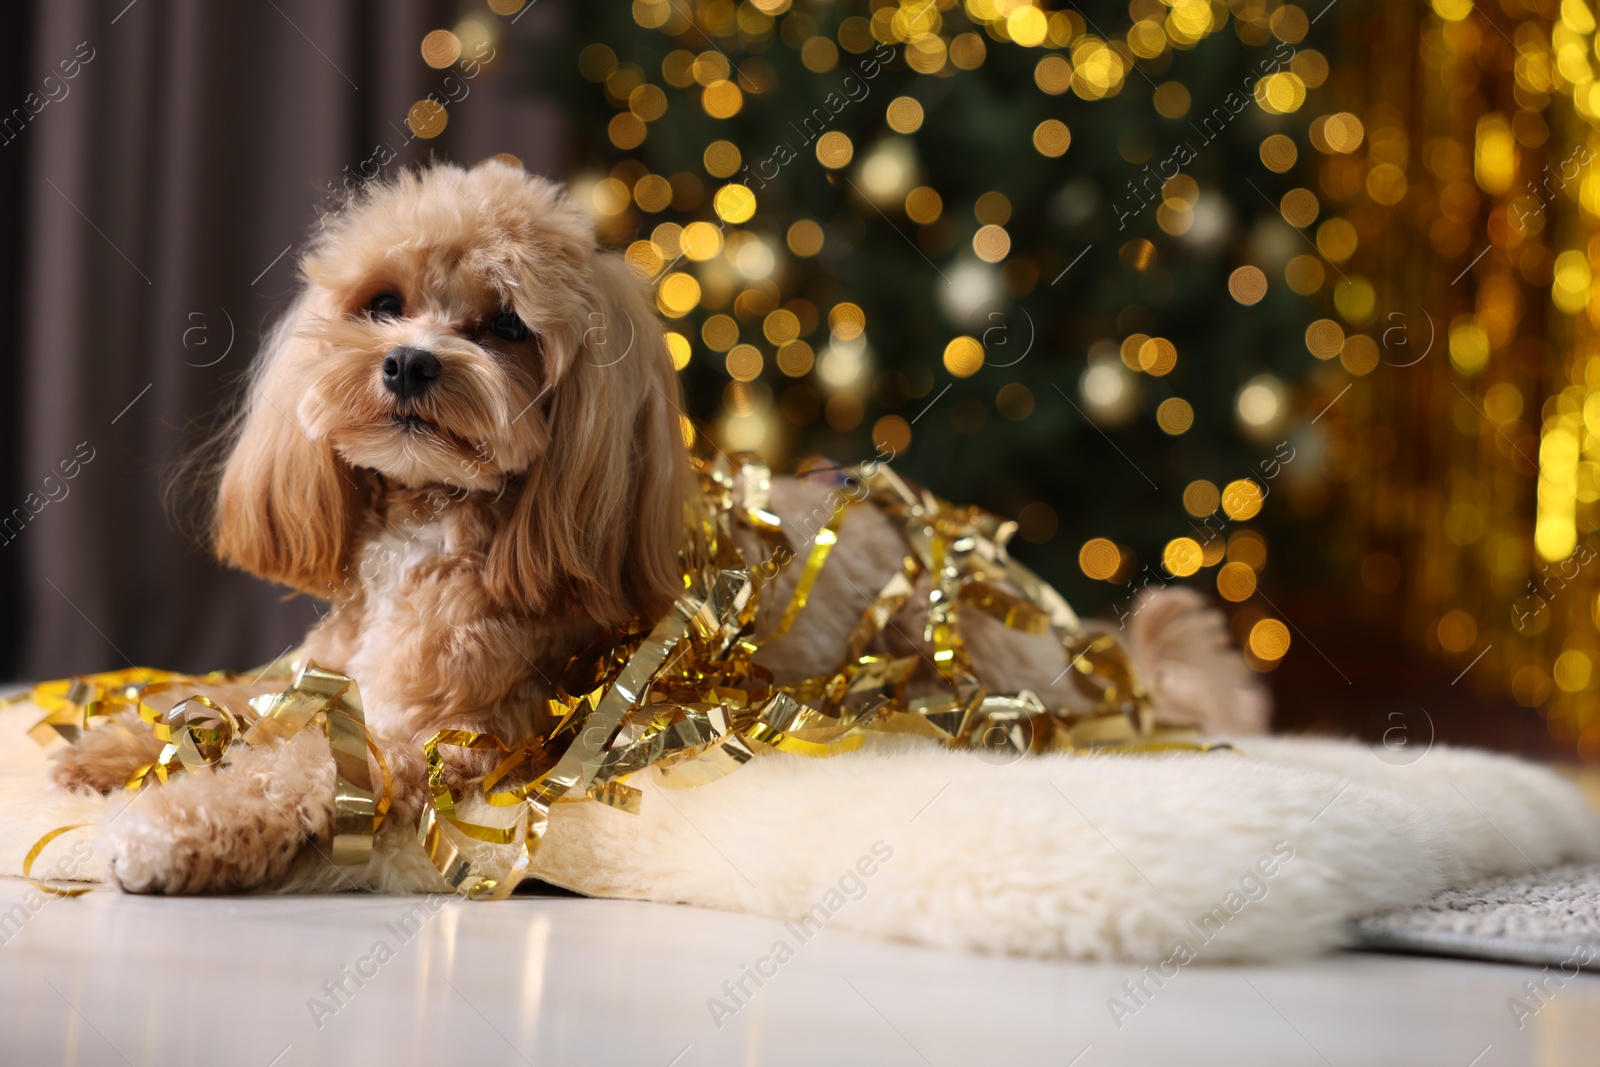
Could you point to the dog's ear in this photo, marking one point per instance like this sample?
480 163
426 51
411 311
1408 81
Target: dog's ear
600 518
285 504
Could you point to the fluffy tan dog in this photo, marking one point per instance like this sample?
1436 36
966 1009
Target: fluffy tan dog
465 435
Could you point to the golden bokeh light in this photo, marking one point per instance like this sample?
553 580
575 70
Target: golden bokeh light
905 114
963 356
967 51
891 434
1530 686
834 150
1052 138
1469 347
610 196
1359 355
1138 253
1387 184
796 359
805 238
1280 93
722 99
1200 498
1053 74
1158 356
781 326
1324 338
710 67
721 159
648 102
1174 415
734 203
1099 559
679 348
1457 631
427 118
626 130
1175 217
1573 670
1304 274
1129 349
744 363
719 332
993 208
855 34
846 321
1289 24
645 258
677 68
1355 300
1027 25
1181 557
597 62
923 205
1278 153
819 55
1247 285
678 295
1242 499
1236 582
652 193
1299 207
1171 100
1146 38
1269 640
1342 133
991 243
1249 548
1312 67
1098 70
700 241
440 49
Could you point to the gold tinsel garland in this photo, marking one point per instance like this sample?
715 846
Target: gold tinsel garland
685 697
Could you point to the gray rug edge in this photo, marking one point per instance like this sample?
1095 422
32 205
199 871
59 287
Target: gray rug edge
1472 947
1563 897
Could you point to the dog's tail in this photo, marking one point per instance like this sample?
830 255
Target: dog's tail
1197 677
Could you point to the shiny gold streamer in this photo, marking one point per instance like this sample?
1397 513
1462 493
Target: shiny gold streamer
39 847
684 698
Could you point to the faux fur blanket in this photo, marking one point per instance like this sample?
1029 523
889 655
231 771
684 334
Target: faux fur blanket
1259 854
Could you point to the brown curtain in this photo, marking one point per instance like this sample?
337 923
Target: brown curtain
163 190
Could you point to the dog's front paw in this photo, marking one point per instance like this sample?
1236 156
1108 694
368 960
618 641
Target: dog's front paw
232 829
103 758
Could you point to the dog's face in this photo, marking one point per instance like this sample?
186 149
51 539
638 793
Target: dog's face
440 312
458 329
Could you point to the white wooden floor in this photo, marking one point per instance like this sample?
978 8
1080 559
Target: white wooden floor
111 979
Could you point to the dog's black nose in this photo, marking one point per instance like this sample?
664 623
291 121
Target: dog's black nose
409 371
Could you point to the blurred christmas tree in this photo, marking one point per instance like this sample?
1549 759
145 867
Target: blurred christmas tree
1058 262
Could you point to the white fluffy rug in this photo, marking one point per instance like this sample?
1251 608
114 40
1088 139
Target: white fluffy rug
1266 853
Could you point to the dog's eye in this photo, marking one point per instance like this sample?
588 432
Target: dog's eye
385 306
508 327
